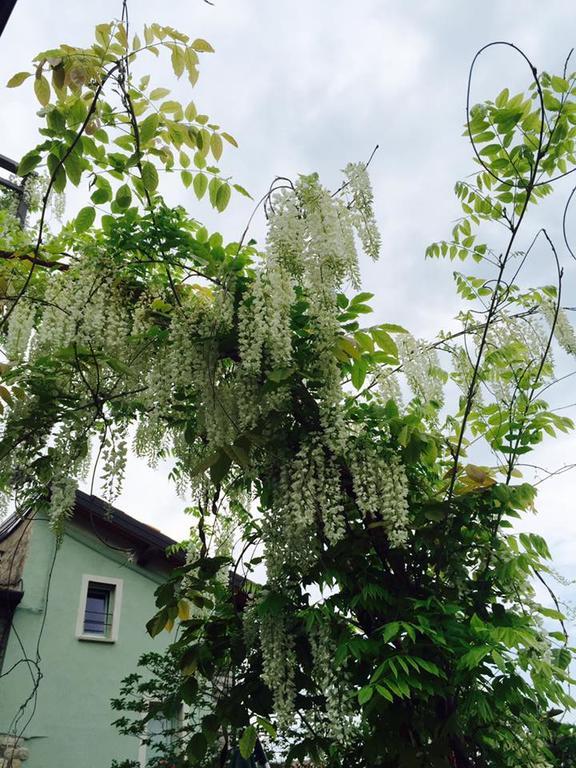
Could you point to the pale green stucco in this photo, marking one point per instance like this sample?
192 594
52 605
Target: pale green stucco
71 725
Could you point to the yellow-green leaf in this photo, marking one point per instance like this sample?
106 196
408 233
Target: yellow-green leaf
42 90
178 61
159 93
200 185
202 46
216 146
148 127
18 79
230 139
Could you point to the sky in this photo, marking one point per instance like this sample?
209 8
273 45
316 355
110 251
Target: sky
309 85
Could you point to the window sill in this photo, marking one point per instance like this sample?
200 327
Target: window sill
96 638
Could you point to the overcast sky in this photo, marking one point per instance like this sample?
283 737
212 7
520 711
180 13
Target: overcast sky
308 85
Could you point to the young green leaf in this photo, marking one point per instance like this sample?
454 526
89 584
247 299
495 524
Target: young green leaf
84 219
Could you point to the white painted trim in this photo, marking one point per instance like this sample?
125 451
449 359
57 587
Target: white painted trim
143 747
117 585
142 754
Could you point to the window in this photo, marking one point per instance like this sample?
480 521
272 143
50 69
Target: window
99 610
160 739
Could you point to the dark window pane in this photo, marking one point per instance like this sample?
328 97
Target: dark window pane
97 616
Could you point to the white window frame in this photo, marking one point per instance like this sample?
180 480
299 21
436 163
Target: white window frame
143 746
116 588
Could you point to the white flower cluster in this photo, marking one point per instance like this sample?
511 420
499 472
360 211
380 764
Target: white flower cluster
563 329
362 206
264 320
519 343
70 460
332 684
20 327
309 500
381 490
463 371
115 457
388 387
83 307
279 666
62 498
421 368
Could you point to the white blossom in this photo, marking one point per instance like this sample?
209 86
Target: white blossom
421 368
563 329
279 665
381 491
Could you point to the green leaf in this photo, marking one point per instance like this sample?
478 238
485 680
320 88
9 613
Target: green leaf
248 741
502 98
222 196
59 179
178 61
267 726
559 84
123 197
384 692
242 191
390 631
18 79
200 185
157 623
384 341
190 112
159 93
550 613
28 163
84 219
213 187
149 176
196 747
103 191
229 139
365 694
74 167
148 127
42 90
219 469
216 146
359 371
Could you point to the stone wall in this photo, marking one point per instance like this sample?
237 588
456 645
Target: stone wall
12 752
13 550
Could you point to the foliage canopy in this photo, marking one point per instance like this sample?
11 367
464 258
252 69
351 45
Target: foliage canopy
397 624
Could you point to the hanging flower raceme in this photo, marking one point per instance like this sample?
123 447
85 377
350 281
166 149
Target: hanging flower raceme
381 491
422 370
362 208
332 684
563 328
279 666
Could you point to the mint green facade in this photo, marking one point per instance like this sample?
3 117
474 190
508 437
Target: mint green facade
71 726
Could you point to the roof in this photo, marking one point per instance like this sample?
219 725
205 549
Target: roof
147 540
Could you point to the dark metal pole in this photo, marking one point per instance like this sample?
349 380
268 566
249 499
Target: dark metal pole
6 8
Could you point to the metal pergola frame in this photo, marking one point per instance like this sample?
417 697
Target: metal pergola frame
12 167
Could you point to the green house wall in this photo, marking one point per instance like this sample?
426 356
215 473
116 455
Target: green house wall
71 724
